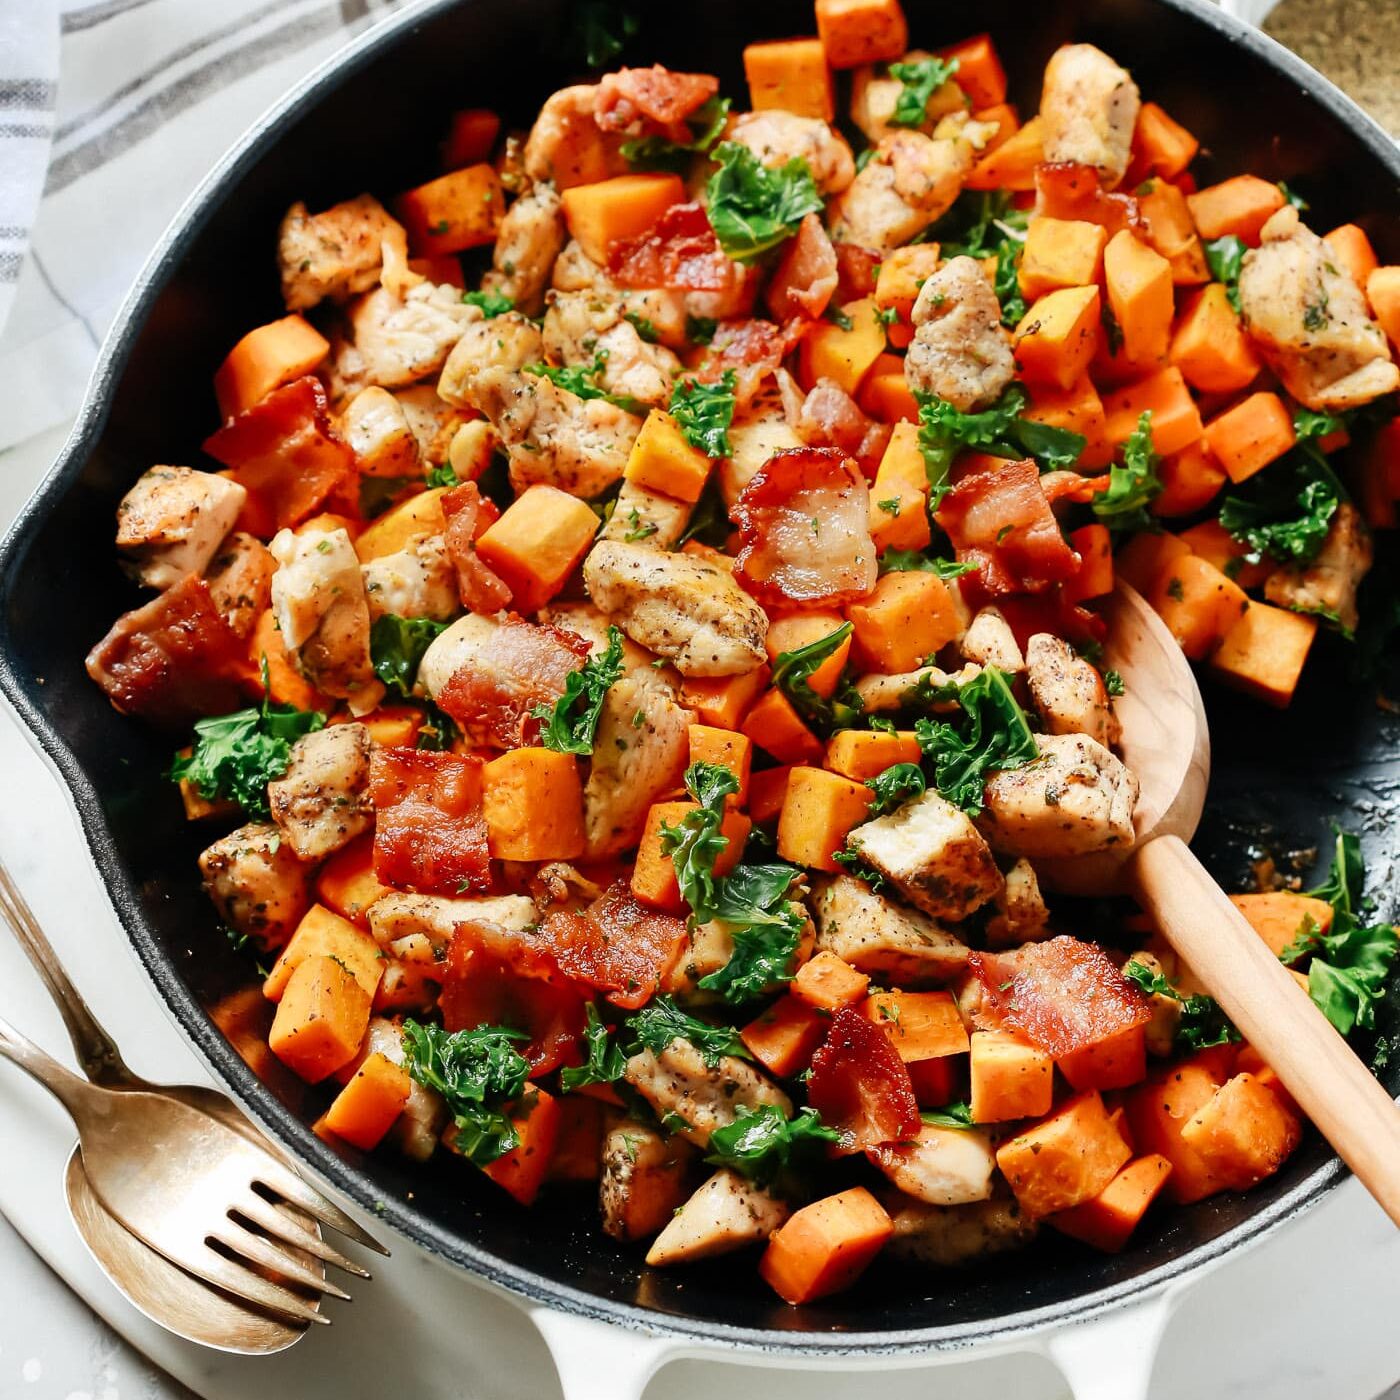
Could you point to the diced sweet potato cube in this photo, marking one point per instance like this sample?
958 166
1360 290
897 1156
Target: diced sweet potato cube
829 982
790 75
920 1025
859 754
783 1037
826 1246
321 1019
537 543
1198 604
1114 1063
1109 1218
908 617
662 460
1265 651
1244 1132
1010 1078
1279 916
324 934
654 875
819 811
861 31
776 727
532 800
368 1106
454 212
1066 1159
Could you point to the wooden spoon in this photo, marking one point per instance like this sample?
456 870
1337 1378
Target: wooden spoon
1167 744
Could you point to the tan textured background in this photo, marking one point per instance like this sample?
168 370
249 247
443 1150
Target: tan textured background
1356 43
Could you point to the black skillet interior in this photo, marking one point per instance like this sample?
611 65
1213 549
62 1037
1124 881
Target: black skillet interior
1279 777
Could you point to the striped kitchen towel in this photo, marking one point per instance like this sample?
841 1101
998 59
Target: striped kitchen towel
149 93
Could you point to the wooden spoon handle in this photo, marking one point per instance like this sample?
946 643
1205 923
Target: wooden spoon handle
1350 1108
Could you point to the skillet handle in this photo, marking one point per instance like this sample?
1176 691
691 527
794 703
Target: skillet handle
1113 1357
597 1361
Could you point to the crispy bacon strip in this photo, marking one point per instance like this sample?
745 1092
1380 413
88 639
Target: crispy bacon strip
480 588
857 269
860 1086
173 659
1063 994
804 530
999 519
616 946
830 417
429 832
753 349
806 274
527 665
287 453
679 251
656 94
1066 190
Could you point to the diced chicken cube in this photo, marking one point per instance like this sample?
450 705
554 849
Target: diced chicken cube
1310 320
435 423
321 802
941 1166
1021 915
172 522
1068 691
697 1099
1075 798
646 517
725 1214
318 595
877 936
960 352
930 851
776 137
399 340
885 694
1160 1031
258 883
394 916
1089 106
527 243
376 427
1328 583
945 1236
336 253
639 753
679 606
507 342
416 581
644 1180
664 308
989 641
567 146
240 580
762 433
875 94
587 620
581 329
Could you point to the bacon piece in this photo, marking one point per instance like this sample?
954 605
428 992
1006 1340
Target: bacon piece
655 93
527 665
804 530
806 274
1063 994
679 251
830 417
480 588
173 659
285 451
500 977
616 945
1066 190
429 831
999 519
1044 612
1071 486
753 349
860 1086
857 269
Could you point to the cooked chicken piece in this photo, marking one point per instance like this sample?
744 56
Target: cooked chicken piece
580 329
911 181
336 253
684 1090
989 641
680 606
1329 582
961 352
172 522
321 802
932 854
762 434
394 916
259 885
1068 691
1075 798
874 94
944 1236
1310 321
942 1166
396 341
887 940
664 309
417 581
881 694
434 422
1021 915
644 1179
568 147
528 241
1160 1031
552 436
318 595
777 137
507 342
425 1114
586 620
240 580
1089 106
727 1213
647 518
639 754
377 428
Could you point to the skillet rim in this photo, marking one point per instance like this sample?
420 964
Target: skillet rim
218 1054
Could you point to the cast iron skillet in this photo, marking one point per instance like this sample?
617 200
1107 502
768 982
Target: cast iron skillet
370 120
